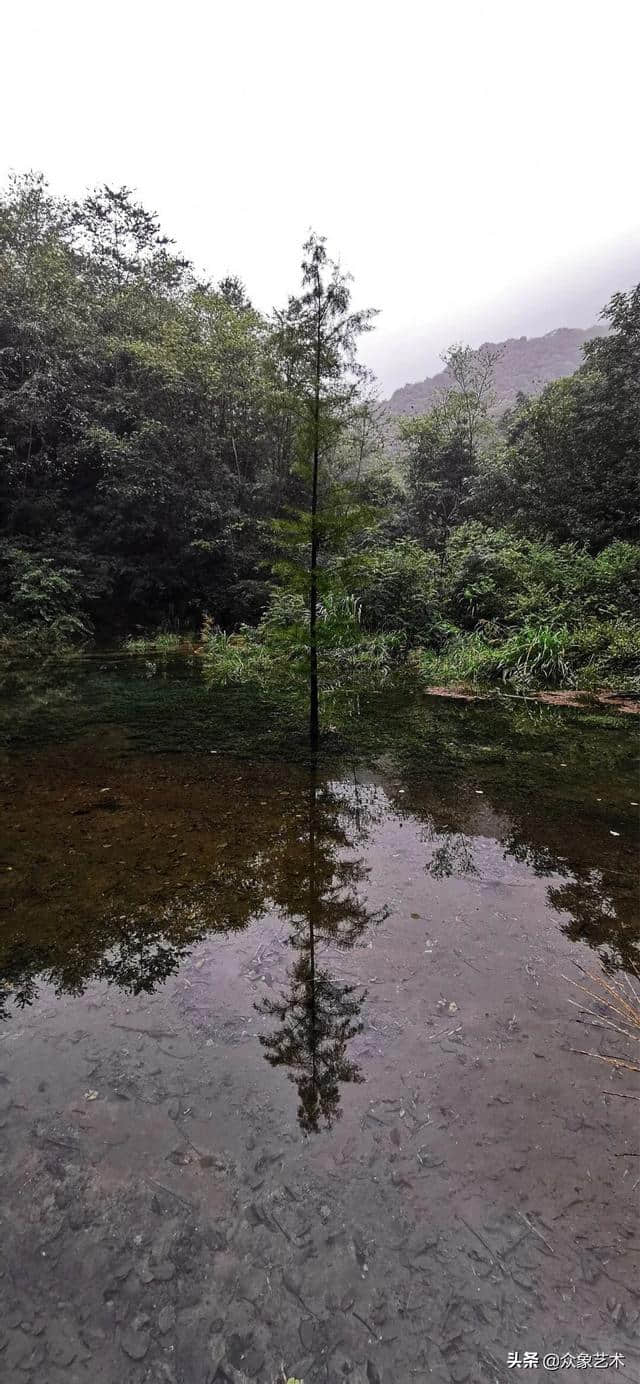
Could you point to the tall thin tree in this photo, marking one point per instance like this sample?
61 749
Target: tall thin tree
320 333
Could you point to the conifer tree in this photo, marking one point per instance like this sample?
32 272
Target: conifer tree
319 335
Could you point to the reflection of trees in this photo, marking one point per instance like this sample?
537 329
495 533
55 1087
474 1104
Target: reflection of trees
219 847
602 904
541 770
595 919
294 851
453 857
316 1019
318 1016
19 969
137 963
136 953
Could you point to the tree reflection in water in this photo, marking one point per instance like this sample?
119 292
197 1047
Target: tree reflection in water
318 1015
299 855
194 847
453 857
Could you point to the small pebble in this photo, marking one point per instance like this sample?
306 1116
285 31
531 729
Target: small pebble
166 1319
135 1344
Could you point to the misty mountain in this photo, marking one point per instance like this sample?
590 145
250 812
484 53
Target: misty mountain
525 365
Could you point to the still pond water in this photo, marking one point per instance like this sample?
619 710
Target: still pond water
290 1073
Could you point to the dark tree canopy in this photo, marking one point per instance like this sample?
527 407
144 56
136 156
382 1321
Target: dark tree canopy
171 458
574 453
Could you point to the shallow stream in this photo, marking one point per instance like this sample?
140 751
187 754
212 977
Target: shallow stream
294 1073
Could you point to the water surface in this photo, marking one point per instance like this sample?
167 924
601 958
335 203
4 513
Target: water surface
287 1053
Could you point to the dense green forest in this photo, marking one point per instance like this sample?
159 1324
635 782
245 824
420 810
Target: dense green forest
175 464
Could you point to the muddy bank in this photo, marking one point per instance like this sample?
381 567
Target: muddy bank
616 701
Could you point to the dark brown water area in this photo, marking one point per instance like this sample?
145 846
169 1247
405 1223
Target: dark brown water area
293 1075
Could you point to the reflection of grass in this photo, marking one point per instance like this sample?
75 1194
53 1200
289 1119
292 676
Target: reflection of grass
620 999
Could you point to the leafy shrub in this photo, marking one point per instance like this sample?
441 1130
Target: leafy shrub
495 576
396 588
42 600
286 610
613 584
466 659
483 571
274 655
607 654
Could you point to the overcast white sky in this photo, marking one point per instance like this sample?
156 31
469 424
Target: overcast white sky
474 163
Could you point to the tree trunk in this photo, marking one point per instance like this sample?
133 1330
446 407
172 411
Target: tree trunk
314 721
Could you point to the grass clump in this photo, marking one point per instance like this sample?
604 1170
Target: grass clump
619 1010
163 642
538 657
273 656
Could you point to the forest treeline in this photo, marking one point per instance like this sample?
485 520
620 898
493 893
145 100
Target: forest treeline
154 475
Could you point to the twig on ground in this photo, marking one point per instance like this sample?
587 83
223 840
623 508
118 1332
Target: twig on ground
536 1231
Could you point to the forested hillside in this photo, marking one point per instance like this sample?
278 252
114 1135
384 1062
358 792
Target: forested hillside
155 458
523 365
